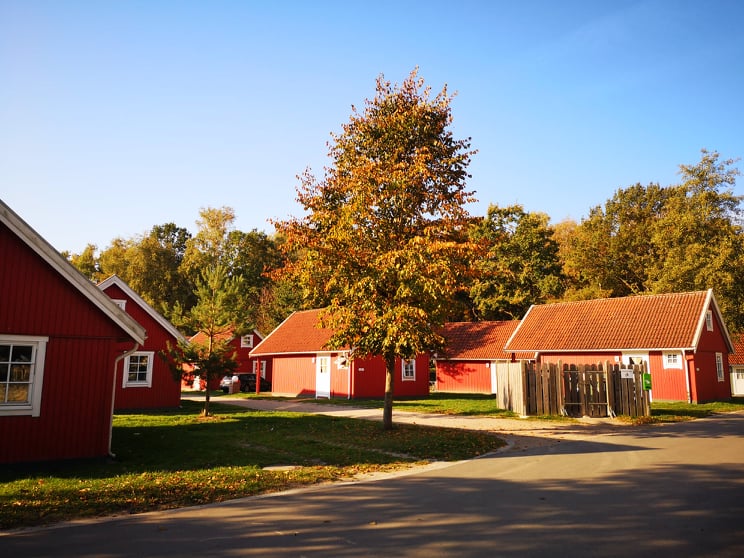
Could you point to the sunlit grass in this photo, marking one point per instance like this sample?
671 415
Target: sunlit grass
176 458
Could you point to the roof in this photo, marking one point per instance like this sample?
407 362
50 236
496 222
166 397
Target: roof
154 314
298 334
648 322
70 273
738 357
202 338
477 340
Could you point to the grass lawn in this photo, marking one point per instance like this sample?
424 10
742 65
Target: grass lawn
174 458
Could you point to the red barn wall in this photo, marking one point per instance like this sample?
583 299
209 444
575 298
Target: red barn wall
79 365
463 376
165 390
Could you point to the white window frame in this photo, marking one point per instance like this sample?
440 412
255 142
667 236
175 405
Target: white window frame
719 367
408 370
32 406
263 369
246 341
709 320
121 303
126 382
672 360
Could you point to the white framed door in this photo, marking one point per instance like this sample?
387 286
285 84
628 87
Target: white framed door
737 381
323 377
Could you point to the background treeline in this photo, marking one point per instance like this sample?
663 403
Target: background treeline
645 239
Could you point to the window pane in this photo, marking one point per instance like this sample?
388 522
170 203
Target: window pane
20 373
22 353
18 393
4 353
3 372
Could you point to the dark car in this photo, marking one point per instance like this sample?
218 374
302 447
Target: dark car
247 383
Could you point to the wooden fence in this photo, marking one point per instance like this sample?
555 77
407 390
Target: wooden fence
575 390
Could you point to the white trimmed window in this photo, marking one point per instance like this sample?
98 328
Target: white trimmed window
408 370
246 342
672 360
709 320
719 366
138 369
121 303
21 374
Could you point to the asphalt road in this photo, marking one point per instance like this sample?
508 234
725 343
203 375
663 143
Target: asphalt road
674 490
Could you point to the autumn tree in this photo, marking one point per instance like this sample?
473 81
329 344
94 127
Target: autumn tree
381 240
86 262
519 264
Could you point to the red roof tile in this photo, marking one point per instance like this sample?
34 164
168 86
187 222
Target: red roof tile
477 340
738 356
638 322
297 334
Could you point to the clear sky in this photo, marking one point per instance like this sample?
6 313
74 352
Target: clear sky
119 115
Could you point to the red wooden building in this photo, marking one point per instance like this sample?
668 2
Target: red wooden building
60 341
466 365
303 365
242 346
145 380
736 361
681 337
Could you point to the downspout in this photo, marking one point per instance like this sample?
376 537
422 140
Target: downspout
689 359
118 359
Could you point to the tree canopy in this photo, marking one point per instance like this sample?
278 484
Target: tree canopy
381 244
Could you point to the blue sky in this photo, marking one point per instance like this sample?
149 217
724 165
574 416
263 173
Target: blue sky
119 115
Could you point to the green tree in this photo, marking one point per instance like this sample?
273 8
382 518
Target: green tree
520 266
218 315
613 249
86 262
700 236
381 241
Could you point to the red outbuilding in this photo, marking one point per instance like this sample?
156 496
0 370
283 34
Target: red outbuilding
467 363
144 379
242 346
680 336
303 365
61 339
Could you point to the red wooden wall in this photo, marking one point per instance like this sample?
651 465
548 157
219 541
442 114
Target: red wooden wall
165 390
463 376
79 366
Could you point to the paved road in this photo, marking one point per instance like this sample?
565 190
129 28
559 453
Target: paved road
586 490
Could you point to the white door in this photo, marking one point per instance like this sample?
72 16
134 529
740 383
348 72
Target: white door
737 381
323 376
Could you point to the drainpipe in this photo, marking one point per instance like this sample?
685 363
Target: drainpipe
689 360
118 359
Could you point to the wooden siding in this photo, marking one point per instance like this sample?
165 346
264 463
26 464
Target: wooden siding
463 376
165 390
293 376
78 373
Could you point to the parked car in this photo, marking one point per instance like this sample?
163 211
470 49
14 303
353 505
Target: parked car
247 383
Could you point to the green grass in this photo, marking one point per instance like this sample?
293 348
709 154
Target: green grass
175 458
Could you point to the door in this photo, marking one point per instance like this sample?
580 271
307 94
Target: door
737 381
494 382
323 376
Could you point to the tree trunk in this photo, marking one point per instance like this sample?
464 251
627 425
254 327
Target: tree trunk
387 411
205 412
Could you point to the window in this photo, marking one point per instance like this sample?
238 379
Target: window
138 369
121 303
409 370
719 366
21 374
672 360
709 320
246 342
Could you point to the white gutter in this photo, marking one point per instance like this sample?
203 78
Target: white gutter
118 359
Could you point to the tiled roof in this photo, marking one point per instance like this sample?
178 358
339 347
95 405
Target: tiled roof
477 340
201 338
637 322
296 335
738 356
